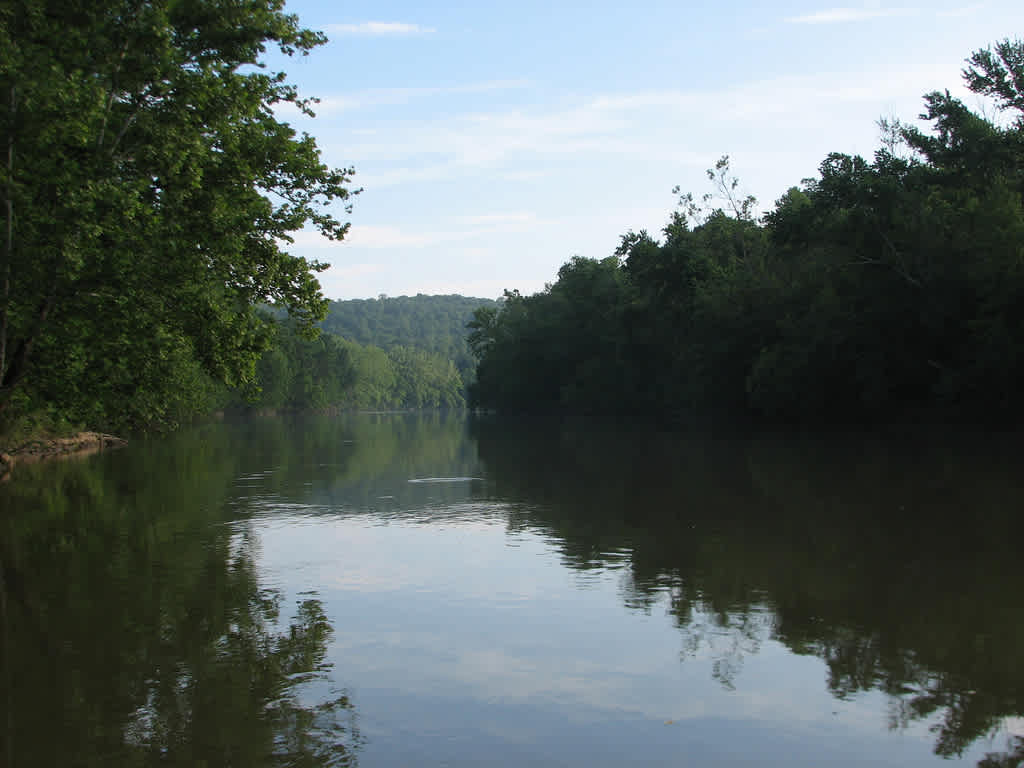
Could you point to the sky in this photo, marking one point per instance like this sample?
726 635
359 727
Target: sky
495 141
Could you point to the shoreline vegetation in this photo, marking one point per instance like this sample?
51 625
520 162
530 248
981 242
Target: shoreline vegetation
150 195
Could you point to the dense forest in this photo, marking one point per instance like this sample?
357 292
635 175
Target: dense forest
402 352
888 288
149 193
435 324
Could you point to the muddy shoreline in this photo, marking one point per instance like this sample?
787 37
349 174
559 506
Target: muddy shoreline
43 449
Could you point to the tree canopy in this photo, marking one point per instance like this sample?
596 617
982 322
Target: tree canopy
434 324
328 372
150 190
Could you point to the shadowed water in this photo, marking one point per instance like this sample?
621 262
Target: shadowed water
397 589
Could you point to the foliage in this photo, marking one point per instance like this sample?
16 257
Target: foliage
149 190
20 425
402 352
298 373
301 373
434 324
554 348
877 289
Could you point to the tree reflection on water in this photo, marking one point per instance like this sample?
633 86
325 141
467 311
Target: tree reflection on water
890 558
136 631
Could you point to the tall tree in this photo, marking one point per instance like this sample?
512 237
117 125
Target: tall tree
147 182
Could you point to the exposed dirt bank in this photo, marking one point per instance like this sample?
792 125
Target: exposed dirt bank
80 444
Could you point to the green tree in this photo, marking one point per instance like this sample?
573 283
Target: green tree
881 288
148 184
999 74
435 324
375 377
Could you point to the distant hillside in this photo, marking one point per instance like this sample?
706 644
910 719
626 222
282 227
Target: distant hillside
434 324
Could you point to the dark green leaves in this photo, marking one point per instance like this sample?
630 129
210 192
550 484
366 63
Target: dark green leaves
150 180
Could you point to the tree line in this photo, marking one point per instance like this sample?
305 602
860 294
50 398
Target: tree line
877 289
149 193
435 324
148 196
330 371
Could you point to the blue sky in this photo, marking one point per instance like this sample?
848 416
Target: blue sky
496 141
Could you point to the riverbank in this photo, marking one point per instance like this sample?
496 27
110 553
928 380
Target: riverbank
41 449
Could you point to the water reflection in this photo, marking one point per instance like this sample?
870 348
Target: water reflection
312 465
894 559
136 630
236 593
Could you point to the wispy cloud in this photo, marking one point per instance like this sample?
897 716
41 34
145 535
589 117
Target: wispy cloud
380 29
376 97
499 218
524 175
482 87
374 179
957 13
352 271
519 143
844 15
378 236
371 236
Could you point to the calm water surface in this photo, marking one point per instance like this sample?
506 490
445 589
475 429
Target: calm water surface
389 590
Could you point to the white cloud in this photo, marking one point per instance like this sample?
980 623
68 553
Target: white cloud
350 271
843 15
379 97
490 140
499 141
499 218
524 175
380 29
957 13
486 86
377 179
372 236
378 236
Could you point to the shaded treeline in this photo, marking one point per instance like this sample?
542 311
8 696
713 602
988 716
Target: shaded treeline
299 369
299 372
877 289
399 352
891 558
434 324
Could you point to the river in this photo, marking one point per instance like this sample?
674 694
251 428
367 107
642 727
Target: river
427 589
